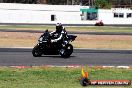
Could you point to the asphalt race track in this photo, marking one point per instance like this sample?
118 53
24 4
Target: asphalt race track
20 56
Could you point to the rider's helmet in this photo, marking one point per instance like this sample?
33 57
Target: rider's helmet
58 27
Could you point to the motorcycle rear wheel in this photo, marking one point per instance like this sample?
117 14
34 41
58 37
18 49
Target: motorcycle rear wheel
67 51
37 51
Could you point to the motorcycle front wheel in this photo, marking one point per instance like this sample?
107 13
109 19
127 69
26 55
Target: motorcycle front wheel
67 51
37 51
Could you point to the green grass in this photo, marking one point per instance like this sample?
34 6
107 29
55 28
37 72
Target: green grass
86 28
45 77
30 27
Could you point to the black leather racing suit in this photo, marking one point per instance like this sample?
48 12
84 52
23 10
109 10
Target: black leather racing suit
58 36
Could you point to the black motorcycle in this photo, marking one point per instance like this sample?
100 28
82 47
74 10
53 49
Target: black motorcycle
44 46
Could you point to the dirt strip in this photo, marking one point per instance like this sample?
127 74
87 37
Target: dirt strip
18 39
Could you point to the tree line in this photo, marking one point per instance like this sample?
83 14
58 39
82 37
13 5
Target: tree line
57 2
93 3
18 1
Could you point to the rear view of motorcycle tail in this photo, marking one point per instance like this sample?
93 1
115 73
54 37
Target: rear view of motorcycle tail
46 47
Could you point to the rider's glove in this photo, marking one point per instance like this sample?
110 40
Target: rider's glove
53 41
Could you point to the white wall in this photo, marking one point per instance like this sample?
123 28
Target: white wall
25 13
66 14
108 16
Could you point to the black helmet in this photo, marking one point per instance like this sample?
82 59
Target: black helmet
58 27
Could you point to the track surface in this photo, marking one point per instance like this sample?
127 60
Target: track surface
18 56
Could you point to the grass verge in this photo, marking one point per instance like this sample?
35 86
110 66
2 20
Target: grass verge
46 77
68 28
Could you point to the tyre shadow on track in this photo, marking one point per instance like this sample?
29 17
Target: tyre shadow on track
56 56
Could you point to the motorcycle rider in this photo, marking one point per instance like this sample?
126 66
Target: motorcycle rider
58 34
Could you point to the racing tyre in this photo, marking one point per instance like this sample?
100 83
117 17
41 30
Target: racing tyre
67 51
37 51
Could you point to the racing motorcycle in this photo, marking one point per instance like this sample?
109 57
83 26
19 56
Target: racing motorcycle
44 46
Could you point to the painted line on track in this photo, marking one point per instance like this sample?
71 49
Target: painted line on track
72 66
